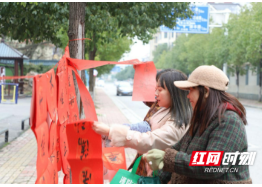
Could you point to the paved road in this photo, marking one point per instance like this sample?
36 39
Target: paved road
253 129
11 116
138 108
254 137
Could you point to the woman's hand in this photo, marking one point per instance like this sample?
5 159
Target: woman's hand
101 128
154 158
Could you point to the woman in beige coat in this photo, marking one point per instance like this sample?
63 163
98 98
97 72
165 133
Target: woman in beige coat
168 125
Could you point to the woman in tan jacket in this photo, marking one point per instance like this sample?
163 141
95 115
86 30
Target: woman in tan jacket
168 125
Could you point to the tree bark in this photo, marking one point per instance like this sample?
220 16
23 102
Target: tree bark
237 73
77 31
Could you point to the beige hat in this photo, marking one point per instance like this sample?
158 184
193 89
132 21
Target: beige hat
205 75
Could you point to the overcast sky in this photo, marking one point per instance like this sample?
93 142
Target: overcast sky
138 50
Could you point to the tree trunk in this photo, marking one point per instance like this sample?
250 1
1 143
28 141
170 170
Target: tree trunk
237 73
260 82
92 55
77 31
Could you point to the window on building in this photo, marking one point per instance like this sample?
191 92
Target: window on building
156 39
172 35
165 34
247 68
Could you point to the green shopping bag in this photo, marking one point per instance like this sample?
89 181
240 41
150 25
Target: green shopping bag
149 180
126 177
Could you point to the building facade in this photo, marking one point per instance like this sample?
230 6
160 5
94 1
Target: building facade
248 84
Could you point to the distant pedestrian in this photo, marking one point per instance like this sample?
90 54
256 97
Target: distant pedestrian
168 124
218 124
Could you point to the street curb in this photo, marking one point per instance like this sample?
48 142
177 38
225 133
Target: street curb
2 145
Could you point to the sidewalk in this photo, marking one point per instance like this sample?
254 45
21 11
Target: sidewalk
251 103
18 158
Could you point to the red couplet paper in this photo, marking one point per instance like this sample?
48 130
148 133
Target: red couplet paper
53 138
63 105
41 104
144 82
73 107
63 113
46 138
87 64
64 153
44 179
88 104
85 153
33 106
114 158
52 168
51 89
50 175
58 152
42 135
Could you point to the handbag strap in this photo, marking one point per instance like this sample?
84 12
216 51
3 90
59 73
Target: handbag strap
136 164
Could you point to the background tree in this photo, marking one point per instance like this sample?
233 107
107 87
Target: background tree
196 48
237 48
112 51
251 19
159 50
175 58
216 52
127 73
42 21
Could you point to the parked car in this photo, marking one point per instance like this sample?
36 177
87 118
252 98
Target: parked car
124 88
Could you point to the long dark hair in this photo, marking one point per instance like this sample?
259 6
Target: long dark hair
213 106
181 110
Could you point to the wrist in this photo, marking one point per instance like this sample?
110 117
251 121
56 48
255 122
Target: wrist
107 131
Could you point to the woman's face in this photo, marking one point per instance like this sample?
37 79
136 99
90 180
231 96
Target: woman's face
193 96
163 96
